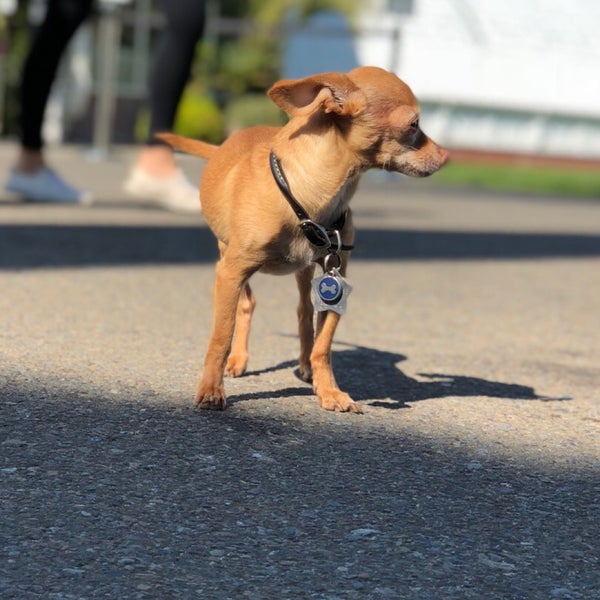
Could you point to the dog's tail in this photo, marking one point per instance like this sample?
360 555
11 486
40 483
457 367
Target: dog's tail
188 145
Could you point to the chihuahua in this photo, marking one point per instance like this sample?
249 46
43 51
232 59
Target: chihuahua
277 200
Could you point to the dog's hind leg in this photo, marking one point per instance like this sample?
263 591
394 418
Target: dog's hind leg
306 330
238 357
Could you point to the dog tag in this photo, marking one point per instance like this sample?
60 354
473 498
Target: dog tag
331 292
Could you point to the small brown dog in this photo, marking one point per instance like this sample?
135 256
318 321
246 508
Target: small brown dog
277 200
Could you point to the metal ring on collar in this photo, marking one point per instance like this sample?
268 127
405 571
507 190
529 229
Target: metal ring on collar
326 263
337 244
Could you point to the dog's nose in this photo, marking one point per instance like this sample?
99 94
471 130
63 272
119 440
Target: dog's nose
444 156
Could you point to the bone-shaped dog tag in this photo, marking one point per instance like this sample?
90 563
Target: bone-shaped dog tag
331 292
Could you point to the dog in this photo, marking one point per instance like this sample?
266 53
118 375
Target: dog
277 200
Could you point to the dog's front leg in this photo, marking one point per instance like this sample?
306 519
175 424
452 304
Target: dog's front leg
231 276
324 384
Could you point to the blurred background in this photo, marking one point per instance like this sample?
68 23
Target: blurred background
511 87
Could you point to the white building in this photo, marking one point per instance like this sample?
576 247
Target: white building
517 76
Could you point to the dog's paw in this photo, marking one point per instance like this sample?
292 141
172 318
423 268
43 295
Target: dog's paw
337 400
211 397
305 372
236 365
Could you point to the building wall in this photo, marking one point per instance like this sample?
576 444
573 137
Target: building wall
508 75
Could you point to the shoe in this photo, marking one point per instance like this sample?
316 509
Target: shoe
174 193
45 186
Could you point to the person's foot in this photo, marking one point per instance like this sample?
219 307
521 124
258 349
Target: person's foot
45 185
174 192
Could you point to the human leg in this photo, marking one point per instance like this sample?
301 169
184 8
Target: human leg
31 176
156 174
63 18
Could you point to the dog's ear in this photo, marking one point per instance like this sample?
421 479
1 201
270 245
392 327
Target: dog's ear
330 92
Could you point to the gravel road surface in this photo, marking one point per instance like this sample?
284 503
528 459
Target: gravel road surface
472 343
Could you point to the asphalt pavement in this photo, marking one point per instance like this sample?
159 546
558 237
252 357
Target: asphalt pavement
471 342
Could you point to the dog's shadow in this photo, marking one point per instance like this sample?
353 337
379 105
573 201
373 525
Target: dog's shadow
374 376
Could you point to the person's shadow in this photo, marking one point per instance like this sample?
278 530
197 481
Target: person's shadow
372 375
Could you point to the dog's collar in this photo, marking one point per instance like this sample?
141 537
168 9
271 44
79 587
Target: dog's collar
328 238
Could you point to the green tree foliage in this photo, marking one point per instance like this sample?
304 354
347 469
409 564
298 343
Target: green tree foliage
239 65
249 60
274 12
14 43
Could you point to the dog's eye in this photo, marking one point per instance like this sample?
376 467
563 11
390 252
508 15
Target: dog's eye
415 124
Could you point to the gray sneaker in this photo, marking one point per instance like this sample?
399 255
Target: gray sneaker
45 186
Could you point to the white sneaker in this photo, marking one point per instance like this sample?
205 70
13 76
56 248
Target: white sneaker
45 186
175 192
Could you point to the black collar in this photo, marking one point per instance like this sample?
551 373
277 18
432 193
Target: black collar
318 235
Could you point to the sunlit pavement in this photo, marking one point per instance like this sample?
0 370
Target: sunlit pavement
471 343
